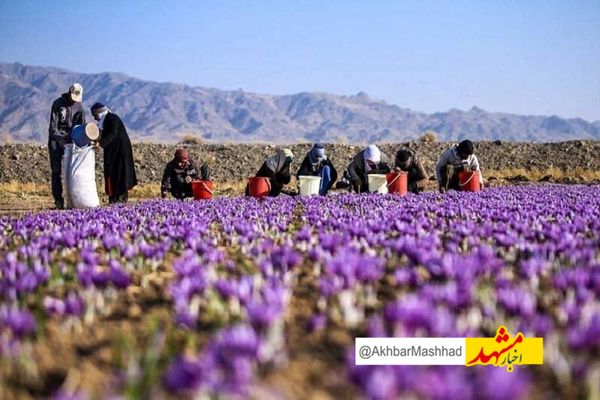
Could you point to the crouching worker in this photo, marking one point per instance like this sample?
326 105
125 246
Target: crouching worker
407 161
316 163
179 174
277 169
368 161
458 158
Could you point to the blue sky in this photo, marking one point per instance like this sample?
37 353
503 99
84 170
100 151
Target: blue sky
525 57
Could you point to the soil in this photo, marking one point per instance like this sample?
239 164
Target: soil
231 162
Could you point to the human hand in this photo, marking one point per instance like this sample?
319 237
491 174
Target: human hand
188 179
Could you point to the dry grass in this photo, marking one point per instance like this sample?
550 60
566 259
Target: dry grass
428 137
535 175
191 138
17 196
5 138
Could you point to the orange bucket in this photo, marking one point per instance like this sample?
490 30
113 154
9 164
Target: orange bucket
203 190
397 182
469 181
259 186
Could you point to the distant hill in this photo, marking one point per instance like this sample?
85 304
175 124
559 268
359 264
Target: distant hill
163 112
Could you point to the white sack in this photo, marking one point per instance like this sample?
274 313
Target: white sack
79 177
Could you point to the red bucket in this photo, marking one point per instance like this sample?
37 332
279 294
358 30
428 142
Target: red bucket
203 190
259 186
397 182
469 181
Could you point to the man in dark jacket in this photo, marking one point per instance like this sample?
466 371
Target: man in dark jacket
119 168
179 174
407 161
316 163
277 169
67 111
368 161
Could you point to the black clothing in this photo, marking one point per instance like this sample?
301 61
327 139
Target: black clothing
359 179
119 168
174 178
308 169
64 115
417 177
277 180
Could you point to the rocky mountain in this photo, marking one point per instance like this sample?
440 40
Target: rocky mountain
164 112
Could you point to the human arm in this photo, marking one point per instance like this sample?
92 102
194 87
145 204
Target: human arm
53 131
165 185
355 173
421 174
109 131
439 167
475 167
305 168
334 174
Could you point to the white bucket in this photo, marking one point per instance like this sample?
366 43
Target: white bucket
378 183
309 185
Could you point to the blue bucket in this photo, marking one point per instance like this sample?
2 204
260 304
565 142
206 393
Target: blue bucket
82 135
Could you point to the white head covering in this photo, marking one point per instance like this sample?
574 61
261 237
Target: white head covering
275 162
101 120
372 153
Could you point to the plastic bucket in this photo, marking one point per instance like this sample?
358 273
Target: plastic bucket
469 181
309 185
82 135
202 190
397 182
378 183
259 186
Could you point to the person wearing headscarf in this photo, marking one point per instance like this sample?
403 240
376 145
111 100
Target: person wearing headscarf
67 111
316 163
370 160
407 161
119 168
458 158
277 169
179 174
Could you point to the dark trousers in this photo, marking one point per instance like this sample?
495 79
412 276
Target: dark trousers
122 198
450 177
182 192
114 196
56 151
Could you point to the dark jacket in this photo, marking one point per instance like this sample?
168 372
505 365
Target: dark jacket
359 178
417 177
173 180
278 180
119 168
308 169
64 115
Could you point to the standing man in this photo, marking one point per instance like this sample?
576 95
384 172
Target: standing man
119 169
407 161
67 111
458 158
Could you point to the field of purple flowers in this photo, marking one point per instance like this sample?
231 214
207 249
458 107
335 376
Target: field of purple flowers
237 297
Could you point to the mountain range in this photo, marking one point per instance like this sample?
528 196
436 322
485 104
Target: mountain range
166 112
